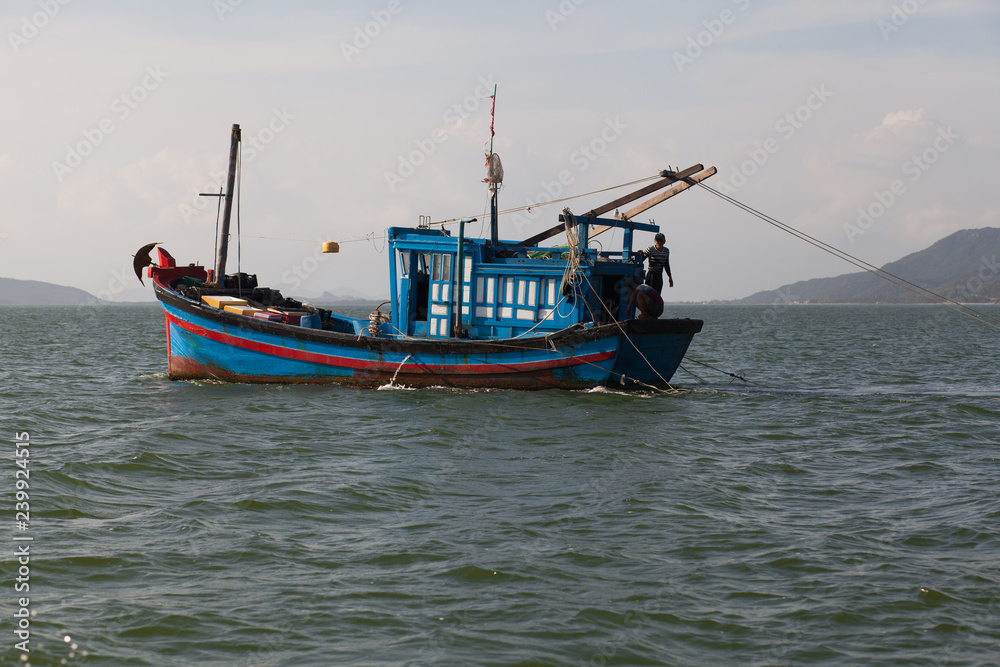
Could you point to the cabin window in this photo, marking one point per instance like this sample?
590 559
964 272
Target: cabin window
484 297
550 289
436 270
506 311
527 292
446 267
404 262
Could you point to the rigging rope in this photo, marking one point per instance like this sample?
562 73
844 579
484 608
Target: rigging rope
371 235
735 376
528 207
851 259
694 375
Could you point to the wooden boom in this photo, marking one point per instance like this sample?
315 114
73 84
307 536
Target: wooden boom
669 178
681 183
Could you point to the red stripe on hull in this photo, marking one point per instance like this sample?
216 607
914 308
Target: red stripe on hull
189 368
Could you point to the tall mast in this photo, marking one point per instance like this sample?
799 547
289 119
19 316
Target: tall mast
494 174
223 252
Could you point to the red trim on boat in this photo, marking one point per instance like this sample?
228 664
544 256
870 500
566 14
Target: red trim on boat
348 362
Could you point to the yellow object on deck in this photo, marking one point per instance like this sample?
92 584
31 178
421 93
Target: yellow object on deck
244 309
223 301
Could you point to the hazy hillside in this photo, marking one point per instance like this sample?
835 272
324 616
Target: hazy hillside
36 293
962 266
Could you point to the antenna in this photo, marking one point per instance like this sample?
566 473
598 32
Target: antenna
494 173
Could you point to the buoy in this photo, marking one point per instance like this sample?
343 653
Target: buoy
331 246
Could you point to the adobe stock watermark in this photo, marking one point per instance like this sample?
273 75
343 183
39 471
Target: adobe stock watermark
914 168
258 141
372 30
769 317
223 7
121 108
780 648
970 291
899 17
453 116
121 280
632 622
32 25
562 13
714 28
302 270
786 126
581 158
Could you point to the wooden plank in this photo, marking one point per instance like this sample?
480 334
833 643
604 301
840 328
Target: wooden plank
678 187
676 190
668 179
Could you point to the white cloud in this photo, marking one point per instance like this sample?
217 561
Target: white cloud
906 124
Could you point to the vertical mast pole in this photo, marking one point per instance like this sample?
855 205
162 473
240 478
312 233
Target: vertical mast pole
494 232
223 251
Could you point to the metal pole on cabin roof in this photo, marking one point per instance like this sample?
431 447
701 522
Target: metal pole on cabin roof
223 252
457 331
494 227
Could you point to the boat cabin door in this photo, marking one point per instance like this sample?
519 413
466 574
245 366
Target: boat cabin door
440 315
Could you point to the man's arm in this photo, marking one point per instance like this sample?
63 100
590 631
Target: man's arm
631 299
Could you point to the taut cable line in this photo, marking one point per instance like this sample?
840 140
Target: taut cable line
527 207
861 264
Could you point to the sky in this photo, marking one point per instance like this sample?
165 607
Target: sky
870 125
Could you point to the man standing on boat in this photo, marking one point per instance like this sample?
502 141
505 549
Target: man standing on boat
659 261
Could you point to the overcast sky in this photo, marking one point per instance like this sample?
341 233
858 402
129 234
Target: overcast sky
363 115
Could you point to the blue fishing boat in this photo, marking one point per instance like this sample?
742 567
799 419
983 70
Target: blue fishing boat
463 312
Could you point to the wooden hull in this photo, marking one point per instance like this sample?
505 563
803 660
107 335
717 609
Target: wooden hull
206 343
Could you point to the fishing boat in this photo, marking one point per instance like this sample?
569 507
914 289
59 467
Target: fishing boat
463 312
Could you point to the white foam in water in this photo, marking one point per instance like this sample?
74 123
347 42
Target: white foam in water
618 392
398 387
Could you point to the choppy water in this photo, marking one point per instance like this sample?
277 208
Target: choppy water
843 510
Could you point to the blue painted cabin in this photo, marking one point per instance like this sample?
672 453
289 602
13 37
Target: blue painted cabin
507 290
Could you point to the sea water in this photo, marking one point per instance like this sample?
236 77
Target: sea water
840 507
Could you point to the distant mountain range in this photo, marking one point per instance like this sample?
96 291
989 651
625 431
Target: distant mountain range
354 298
962 267
36 293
